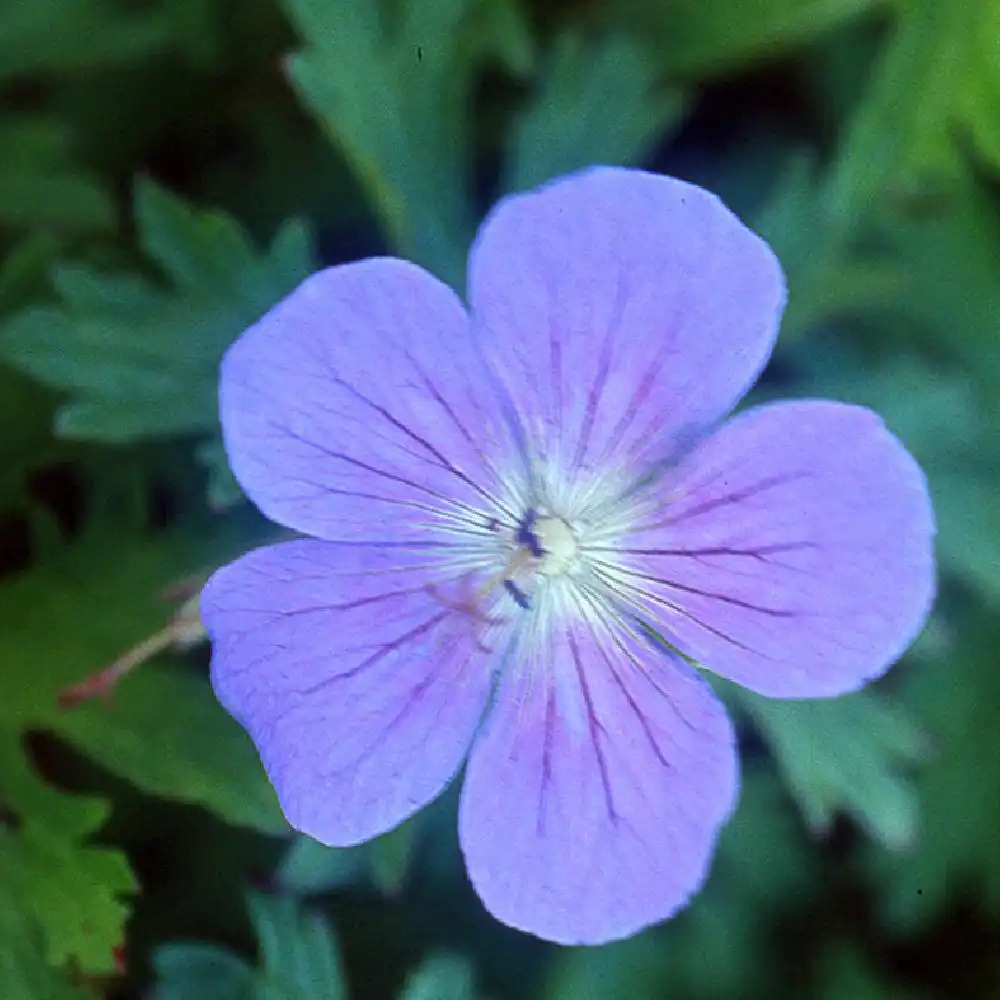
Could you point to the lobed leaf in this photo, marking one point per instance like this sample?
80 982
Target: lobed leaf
165 732
849 755
596 103
396 99
55 879
139 360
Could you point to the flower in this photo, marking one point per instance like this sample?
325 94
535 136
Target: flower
503 502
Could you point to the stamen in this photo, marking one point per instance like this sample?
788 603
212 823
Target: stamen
527 537
519 595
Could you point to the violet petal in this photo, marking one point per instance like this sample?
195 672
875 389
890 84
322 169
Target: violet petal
623 311
594 794
360 689
791 552
357 408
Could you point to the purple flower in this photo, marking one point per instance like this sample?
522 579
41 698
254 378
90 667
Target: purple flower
500 501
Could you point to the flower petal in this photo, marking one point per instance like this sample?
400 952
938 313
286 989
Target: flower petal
357 409
624 311
594 795
791 552
360 690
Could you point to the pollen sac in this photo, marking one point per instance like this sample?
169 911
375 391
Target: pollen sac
520 598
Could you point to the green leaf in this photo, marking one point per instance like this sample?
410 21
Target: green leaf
76 36
54 877
939 80
951 295
299 959
397 101
60 622
25 414
223 489
848 754
41 185
310 867
923 404
24 968
70 617
827 276
193 753
299 954
441 977
391 855
201 972
139 360
846 974
716 36
595 104
208 254
956 693
24 270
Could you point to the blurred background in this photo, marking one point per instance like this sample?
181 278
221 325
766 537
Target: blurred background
168 170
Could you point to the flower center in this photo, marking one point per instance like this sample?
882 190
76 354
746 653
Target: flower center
556 545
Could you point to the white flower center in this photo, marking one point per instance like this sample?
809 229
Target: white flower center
558 544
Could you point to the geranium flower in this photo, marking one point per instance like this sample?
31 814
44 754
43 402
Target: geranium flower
502 502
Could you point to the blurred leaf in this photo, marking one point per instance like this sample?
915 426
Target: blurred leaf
25 415
898 220
848 754
199 29
952 289
956 857
141 361
724 944
41 185
310 867
209 254
595 104
76 35
939 79
708 37
441 977
201 972
223 490
24 270
397 100
950 431
846 974
826 275
299 960
299 954
392 854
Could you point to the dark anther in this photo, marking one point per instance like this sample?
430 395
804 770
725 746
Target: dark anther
519 595
527 537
